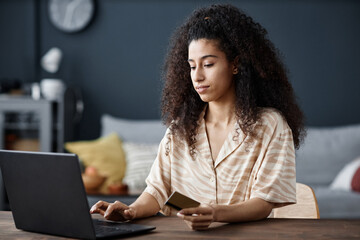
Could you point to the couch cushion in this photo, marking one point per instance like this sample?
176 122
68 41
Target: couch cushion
139 131
325 152
344 179
337 203
139 159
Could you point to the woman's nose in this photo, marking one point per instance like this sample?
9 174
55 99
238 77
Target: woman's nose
198 75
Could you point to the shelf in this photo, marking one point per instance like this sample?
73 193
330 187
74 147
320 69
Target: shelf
40 116
21 126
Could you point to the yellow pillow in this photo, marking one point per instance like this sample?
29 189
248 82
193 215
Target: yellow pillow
106 154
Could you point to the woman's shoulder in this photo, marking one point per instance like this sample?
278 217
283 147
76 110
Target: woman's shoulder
273 119
171 137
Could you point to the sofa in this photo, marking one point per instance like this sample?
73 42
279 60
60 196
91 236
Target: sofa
326 161
320 161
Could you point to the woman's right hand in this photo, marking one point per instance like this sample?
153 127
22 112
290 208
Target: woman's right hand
116 211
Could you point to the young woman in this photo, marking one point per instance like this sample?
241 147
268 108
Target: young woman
233 125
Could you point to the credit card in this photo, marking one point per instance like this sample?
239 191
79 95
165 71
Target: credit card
179 201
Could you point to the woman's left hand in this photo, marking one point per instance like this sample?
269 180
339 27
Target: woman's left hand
198 218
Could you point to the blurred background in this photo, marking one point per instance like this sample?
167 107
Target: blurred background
116 58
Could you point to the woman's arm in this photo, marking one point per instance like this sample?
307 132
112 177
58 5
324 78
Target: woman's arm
250 210
201 217
145 206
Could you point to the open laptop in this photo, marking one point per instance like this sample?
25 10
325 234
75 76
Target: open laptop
47 195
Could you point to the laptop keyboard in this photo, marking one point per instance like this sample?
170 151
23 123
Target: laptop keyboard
105 228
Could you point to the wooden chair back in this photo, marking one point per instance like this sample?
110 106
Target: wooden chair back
305 207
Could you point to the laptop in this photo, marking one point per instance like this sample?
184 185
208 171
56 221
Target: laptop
47 195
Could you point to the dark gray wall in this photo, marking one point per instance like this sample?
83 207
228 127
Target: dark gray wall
17 40
117 60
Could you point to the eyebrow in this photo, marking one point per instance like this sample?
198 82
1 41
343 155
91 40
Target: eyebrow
203 57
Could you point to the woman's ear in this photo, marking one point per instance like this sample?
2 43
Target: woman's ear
236 65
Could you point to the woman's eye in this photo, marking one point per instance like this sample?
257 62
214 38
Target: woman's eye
208 65
192 68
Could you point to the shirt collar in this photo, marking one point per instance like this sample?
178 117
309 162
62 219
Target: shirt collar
231 143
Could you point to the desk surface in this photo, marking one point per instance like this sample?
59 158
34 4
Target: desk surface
175 228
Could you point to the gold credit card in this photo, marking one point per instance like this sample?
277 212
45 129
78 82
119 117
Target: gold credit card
180 201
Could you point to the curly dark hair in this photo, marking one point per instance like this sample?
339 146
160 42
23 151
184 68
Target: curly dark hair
261 82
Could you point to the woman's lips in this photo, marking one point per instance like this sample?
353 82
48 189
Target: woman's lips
201 89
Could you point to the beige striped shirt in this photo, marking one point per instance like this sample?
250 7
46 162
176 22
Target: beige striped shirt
246 167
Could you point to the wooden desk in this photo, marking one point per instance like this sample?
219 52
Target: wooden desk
174 228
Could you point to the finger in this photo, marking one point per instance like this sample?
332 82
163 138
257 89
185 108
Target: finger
115 211
197 210
200 225
201 228
101 204
99 207
197 226
129 214
196 218
97 210
116 206
199 219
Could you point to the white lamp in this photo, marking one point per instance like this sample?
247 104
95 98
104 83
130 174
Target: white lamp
50 62
52 88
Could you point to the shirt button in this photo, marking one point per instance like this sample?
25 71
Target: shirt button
212 179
